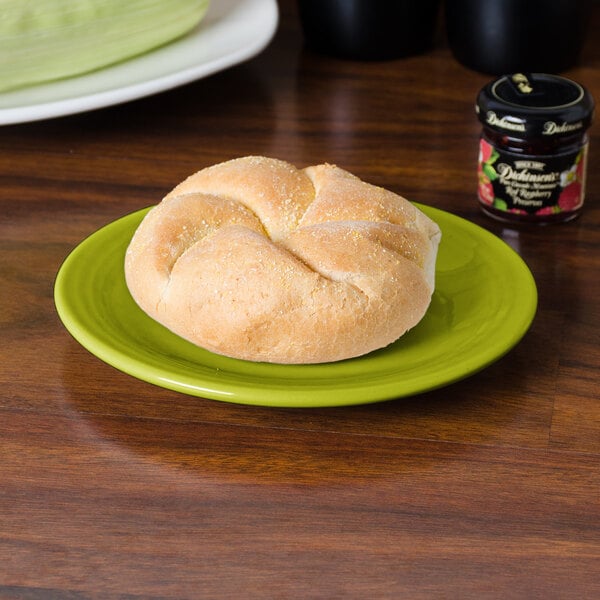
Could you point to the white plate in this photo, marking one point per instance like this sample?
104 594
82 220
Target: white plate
232 31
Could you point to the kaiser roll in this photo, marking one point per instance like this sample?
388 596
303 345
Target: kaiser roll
258 260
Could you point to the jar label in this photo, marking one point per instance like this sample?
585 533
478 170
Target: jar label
531 185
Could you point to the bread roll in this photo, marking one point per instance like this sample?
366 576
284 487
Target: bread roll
258 260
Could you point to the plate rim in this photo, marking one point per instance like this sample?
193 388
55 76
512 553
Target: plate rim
281 395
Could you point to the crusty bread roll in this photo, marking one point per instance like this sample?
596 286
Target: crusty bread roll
258 260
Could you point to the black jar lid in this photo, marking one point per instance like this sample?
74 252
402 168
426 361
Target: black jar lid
535 104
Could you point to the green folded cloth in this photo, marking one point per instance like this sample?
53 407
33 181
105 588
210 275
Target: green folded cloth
44 40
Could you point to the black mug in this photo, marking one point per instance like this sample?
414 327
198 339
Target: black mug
369 29
508 36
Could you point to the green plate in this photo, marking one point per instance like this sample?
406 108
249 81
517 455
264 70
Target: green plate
484 302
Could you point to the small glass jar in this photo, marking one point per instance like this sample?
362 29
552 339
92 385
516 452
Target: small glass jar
533 148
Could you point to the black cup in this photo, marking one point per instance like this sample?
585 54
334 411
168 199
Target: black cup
509 36
369 29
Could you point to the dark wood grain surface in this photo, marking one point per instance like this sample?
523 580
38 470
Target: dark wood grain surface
113 488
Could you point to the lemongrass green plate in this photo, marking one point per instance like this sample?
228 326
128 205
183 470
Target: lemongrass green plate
484 303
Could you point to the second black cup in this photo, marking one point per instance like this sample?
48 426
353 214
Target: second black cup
508 36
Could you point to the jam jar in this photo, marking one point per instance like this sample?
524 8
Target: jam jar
533 148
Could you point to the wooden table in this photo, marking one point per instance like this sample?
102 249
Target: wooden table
113 488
